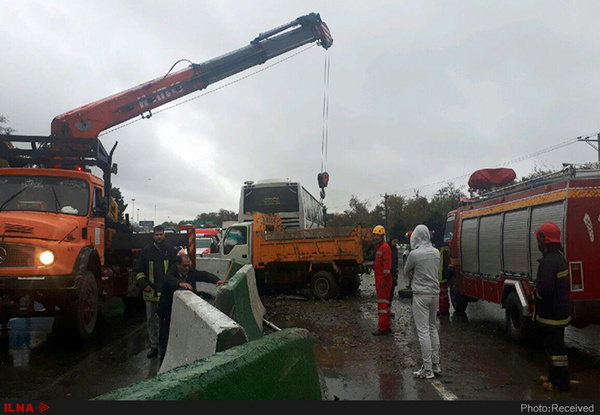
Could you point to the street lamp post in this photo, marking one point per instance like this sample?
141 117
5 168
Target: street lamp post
133 210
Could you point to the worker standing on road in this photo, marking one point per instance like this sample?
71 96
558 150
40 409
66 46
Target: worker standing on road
394 248
422 268
151 267
383 279
408 235
182 277
552 305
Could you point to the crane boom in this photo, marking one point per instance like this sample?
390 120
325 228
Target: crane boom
91 119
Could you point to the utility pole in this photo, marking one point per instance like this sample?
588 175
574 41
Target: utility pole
385 210
138 218
588 140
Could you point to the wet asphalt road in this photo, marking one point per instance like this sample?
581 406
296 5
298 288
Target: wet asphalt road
478 362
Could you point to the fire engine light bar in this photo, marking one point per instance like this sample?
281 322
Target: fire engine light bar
576 271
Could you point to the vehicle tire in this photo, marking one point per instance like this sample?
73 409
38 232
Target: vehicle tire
323 285
350 285
516 323
458 300
87 305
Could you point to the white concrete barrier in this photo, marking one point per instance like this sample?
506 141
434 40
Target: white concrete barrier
222 268
258 309
217 266
198 330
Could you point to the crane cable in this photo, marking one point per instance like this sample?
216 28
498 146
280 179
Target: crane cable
323 176
325 133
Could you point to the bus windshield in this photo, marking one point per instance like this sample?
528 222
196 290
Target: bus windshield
271 199
44 194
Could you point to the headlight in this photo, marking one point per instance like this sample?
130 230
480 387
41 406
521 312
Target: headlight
47 257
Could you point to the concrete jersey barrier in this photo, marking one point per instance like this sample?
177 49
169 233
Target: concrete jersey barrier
280 366
198 330
239 300
222 268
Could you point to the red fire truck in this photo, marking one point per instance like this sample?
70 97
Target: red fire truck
494 254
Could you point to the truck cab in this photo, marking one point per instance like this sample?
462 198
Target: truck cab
52 231
237 243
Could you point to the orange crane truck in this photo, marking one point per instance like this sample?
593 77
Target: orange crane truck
329 260
62 248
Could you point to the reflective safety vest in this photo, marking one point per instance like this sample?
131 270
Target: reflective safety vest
444 263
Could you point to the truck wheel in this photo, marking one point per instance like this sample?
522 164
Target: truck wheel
458 300
87 305
516 322
323 285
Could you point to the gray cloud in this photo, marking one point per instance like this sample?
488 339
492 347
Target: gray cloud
420 92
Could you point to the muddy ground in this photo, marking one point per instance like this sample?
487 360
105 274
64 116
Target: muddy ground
478 362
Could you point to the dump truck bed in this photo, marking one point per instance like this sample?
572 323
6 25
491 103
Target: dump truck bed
271 243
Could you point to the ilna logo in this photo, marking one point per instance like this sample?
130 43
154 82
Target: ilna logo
24 407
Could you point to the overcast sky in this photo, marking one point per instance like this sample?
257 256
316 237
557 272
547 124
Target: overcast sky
419 92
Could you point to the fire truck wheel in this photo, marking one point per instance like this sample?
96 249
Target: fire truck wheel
516 322
459 302
323 285
87 305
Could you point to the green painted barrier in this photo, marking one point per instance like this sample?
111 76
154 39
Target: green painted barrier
280 366
235 267
235 300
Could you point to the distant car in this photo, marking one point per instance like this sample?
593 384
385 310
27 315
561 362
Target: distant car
205 246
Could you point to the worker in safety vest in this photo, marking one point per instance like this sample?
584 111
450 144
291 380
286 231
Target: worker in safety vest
552 306
151 267
383 279
444 306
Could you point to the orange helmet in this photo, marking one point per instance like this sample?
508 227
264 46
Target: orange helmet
548 233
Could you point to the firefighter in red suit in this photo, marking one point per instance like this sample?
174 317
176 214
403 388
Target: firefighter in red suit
383 279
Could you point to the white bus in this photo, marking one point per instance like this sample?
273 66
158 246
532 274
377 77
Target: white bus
289 200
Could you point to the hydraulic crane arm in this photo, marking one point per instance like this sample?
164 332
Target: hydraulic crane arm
88 121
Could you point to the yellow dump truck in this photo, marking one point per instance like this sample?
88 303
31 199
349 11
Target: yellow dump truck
330 260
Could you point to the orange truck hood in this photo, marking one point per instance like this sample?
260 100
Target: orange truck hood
38 225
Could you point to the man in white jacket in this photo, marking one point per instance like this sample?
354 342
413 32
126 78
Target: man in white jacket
422 267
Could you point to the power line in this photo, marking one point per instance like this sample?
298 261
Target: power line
506 163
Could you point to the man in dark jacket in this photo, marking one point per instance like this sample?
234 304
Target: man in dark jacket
394 247
552 306
151 267
182 277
